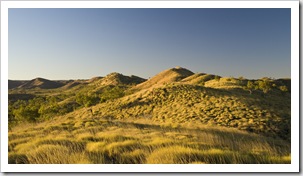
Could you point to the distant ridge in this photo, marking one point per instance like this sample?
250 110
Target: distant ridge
177 75
41 83
167 76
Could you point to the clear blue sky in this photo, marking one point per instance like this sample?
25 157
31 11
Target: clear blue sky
84 43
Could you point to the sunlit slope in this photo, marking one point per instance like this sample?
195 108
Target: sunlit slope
198 78
266 114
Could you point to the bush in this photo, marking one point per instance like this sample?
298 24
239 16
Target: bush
111 93
87 99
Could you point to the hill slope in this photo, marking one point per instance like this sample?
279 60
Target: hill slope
14 83
179 104
198 78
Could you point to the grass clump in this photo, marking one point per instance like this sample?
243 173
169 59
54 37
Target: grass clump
137 156
116 148
173 155
75 146
49 154
95 146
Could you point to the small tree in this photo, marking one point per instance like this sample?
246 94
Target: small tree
250 87
217 78
283 89
265 86
241 78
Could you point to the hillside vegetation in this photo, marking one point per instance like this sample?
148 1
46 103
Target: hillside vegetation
174 117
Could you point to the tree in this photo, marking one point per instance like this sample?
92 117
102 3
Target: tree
217 78
26 113
265 85
283 89
87 99
241 78
250 87
111 93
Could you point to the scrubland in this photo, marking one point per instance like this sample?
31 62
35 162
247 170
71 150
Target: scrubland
176 117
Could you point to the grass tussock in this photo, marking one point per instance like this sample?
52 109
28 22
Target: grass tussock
55 154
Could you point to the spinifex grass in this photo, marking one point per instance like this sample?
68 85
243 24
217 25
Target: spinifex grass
131 142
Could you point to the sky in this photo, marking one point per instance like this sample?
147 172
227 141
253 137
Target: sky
63 43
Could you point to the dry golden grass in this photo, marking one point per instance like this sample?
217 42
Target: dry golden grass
146 142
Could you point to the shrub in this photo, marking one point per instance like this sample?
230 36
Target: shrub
265 85
283 89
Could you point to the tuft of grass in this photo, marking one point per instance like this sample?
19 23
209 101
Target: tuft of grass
137 156
159 142
49 154
95 146
75 146
87 136
55 154
108 137
116 148
186 155
173 155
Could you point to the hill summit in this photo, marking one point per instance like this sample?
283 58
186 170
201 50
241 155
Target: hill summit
167 76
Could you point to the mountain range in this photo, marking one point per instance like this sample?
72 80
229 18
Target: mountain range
177 74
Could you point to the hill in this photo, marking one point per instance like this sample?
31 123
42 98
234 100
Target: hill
41 83
165 77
